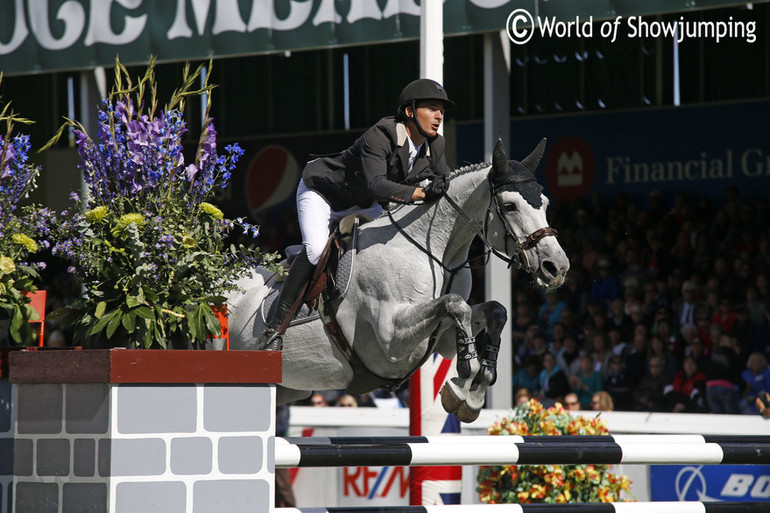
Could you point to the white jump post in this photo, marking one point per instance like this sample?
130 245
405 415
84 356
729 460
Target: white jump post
427 417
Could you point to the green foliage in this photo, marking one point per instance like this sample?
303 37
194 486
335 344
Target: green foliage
154 255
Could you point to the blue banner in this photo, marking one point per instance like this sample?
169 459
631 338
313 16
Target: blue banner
710 483
699 151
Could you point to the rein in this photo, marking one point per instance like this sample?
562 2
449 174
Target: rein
521 246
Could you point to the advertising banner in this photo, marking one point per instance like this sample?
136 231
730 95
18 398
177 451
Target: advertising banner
710 483
698 151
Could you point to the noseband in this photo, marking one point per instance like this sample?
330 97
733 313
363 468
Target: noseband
520 258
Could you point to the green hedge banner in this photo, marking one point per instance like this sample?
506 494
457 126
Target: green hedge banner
49 35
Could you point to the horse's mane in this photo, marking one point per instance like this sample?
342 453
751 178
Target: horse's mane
469 168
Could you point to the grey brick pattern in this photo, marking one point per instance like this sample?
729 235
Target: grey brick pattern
191 455
167 409
87 408
84 497
53 457
219 414
240 455
140 457
168 497
84 458
237 496
152 448
39 409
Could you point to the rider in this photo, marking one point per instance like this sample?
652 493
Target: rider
400 159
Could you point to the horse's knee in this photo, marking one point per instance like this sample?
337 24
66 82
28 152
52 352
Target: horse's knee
456 306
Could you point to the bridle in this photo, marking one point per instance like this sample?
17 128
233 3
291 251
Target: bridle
528 242
519 259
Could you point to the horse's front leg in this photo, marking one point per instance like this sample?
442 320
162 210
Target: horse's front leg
419 321
492 316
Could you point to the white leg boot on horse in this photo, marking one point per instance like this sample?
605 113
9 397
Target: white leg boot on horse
294 286
466 399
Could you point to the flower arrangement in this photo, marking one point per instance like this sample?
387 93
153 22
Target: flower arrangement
23 230
150 248
549 483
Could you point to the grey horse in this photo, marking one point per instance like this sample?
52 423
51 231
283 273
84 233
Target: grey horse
409 285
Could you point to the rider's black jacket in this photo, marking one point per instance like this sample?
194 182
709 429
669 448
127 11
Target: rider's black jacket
375 168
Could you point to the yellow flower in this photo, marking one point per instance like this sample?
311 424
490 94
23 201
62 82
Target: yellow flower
96 214
211 210
24 240
188 241
6 265
125 221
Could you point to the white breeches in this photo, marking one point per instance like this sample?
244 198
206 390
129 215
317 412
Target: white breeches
316 216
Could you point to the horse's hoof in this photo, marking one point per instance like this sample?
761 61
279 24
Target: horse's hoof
465 414
449 399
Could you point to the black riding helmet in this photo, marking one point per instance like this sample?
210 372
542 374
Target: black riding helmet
420 90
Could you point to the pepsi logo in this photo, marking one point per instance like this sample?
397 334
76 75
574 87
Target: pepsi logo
570 169
272 176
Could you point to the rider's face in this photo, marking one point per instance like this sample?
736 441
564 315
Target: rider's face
429 115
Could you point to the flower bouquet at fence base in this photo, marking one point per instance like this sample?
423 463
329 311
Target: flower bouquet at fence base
23 231
150 248
500 484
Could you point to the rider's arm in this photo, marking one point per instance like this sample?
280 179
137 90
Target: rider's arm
376 149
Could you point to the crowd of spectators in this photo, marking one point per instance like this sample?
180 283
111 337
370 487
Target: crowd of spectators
666 308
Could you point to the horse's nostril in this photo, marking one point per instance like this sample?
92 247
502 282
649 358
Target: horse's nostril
549 268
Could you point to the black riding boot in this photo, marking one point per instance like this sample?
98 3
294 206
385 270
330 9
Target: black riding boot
300 272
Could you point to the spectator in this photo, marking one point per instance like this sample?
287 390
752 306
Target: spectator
660 349
569 357
724 316
688 389
602 401
697 350
521 323
757 379
550 313
523 395
347 401
318 399
754 305
636 361
600 352
685 305
619 385
648 395
586 382
528 376
571 402
606 286
552 380
722 378
617 318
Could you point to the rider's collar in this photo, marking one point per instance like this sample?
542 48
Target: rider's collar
402 135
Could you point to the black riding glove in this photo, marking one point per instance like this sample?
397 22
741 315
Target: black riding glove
436 188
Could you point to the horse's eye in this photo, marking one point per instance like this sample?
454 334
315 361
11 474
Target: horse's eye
509 207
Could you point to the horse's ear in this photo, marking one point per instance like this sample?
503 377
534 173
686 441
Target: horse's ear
499 160
533 159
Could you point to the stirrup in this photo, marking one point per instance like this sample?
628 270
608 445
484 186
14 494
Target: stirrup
274 340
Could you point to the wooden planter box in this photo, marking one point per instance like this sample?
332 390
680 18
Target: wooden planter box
141 431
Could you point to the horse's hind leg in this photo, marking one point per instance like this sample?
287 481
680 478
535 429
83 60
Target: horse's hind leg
494 317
